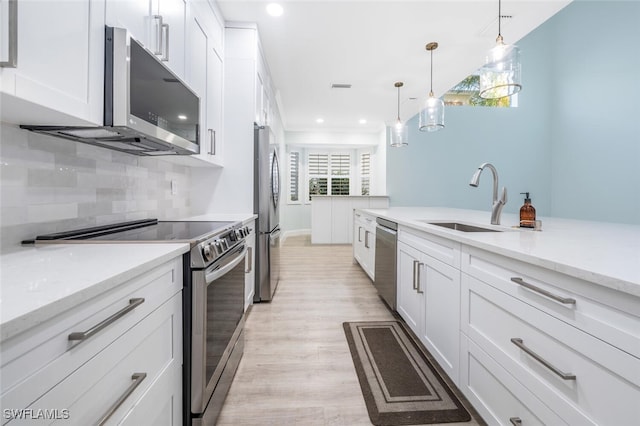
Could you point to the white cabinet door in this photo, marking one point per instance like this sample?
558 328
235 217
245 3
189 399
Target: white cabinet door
321 210
172 33
441 331
158 24
204 75
410 298
59 63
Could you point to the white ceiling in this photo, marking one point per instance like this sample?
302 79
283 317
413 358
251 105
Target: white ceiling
373 44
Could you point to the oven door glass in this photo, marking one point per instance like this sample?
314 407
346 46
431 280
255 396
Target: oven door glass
224 311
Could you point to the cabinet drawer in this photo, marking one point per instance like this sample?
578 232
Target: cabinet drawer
606 387
444 250
150 347
497 395
37 360
607 314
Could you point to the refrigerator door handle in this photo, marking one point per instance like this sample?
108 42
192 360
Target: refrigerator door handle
274 235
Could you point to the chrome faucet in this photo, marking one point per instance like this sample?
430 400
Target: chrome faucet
497 205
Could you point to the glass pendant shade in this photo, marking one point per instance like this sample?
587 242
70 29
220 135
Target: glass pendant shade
432 115
501 74
399 134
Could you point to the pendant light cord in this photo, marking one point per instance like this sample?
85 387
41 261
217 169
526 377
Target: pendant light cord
499 18
398 103
431 87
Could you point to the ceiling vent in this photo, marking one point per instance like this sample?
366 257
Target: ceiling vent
341 86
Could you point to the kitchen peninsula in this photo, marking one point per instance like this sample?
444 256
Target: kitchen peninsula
545 319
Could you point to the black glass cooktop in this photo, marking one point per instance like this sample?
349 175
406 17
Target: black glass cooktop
168 231
149 230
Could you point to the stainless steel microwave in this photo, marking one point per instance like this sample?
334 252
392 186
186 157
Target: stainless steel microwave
148 110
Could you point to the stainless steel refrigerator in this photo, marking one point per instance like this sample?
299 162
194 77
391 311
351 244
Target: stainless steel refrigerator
266 205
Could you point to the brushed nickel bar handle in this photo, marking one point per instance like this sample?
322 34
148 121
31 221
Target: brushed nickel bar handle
249 259
165 56
565 300
418 280
565 376
159 24
416 264
137 379
211 145
84 335
12 59
366 239
515 421
359 232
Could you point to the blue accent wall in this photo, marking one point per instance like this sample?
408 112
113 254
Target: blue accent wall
573 142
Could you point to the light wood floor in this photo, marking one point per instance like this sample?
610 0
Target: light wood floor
296 368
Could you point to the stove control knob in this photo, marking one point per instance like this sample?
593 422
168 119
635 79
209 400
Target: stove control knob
240 233
232 235
247 231
207 252
224 245
216 246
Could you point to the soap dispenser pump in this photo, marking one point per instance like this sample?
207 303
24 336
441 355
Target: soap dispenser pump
527 213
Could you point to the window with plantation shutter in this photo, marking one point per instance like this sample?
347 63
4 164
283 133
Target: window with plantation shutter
294 176
365 173
329 173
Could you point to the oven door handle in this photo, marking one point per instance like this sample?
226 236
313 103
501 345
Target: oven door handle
214 274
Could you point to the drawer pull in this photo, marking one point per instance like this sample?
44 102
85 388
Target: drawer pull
84 335
137 379
416 265
565 300
418 278
515 421
565 376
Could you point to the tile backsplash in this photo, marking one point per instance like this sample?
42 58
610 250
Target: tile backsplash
50 184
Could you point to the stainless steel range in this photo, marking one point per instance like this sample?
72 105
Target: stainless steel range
213 300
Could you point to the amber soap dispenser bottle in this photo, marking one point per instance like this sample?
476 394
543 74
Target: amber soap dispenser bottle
527 213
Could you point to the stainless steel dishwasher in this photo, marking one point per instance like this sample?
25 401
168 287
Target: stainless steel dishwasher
385 266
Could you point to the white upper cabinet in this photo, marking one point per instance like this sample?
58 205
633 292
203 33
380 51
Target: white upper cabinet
158 24
56 73
204 74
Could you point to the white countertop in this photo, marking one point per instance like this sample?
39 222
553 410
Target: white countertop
37 283
225 217
604 253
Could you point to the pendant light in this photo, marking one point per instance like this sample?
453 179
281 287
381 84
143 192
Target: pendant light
399 132
432 115
501 74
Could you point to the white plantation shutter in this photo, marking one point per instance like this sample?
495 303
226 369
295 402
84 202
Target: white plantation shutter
365 173
329 173
294 176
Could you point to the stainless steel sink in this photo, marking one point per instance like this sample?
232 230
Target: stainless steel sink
462 227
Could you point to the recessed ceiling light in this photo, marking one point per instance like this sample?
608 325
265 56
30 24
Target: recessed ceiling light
362 121
274 9
182 117
320 120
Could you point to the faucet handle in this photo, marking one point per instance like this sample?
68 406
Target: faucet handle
503 196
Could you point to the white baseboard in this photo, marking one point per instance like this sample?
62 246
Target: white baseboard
294 233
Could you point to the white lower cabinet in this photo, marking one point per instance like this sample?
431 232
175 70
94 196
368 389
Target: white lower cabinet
364 242
115 359
429 298
497 395
549 338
